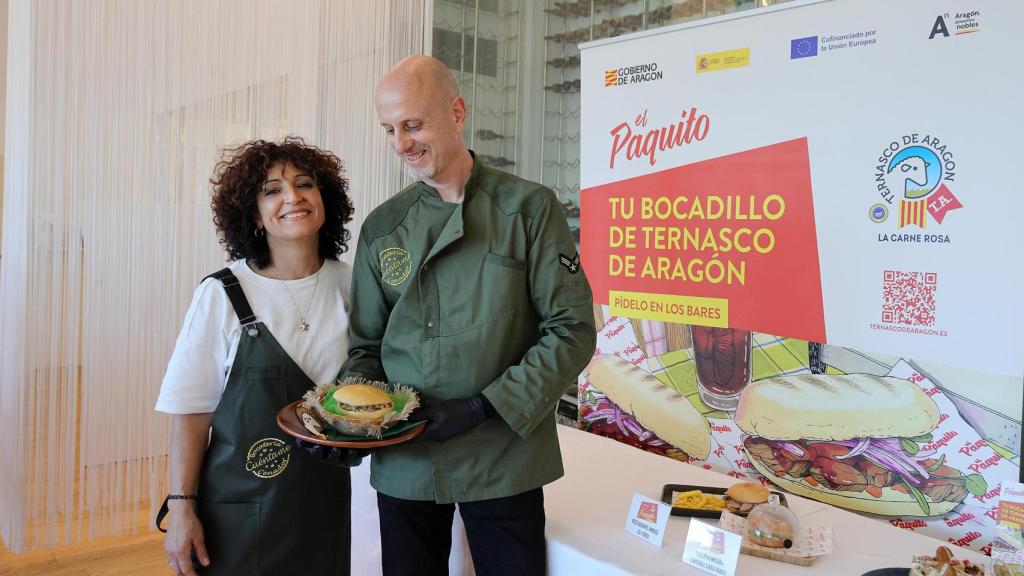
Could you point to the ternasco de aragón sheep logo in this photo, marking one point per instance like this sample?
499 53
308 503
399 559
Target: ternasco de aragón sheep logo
913 177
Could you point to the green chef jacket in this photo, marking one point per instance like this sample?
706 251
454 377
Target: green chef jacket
457 299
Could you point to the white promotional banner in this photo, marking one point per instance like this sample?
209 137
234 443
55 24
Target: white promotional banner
801 226
902 120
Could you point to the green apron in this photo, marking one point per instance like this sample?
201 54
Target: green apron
266 510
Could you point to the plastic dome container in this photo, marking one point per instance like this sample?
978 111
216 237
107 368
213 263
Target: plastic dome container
773 525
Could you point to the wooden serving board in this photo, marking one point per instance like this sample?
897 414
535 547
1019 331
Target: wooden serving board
778 555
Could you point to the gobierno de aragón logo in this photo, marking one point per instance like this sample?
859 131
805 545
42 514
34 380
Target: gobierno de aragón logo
645 142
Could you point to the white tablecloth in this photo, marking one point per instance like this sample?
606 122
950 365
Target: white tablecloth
586 513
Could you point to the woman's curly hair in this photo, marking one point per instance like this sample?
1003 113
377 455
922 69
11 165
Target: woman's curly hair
240 176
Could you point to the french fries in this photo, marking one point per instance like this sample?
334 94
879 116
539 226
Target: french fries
697 500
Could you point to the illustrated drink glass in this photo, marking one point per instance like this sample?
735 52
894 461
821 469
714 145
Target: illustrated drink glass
722 358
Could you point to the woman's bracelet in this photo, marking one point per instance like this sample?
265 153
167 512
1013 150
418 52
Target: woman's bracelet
164 510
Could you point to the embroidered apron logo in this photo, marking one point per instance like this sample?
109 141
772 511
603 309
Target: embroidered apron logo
571 264
395 265
267 457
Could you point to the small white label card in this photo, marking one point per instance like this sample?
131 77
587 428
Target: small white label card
647 519
711 549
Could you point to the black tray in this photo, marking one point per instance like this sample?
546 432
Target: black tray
888 572
670 489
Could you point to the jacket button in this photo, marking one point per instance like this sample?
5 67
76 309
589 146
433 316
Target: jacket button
425 267
430 324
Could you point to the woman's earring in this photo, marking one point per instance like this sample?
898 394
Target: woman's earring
259 232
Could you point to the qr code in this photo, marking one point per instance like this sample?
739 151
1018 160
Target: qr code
909 297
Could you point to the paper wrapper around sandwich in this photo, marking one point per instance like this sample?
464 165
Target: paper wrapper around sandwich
405 400
656 338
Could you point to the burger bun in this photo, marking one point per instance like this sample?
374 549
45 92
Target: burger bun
748 492
363 402
741 498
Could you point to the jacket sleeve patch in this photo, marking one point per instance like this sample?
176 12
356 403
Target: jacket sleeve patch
572 264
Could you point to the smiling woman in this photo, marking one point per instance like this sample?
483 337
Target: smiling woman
259 334
289 204
249 179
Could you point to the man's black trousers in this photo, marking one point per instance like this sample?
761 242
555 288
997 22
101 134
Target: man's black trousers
506 535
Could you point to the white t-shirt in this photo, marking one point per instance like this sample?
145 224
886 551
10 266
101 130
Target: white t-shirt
205 350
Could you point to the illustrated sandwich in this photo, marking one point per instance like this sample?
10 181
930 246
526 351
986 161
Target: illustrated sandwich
655 406
852 441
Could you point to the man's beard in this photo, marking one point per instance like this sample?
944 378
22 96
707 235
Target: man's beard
424 173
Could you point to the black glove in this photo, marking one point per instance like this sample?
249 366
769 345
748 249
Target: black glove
346 457
449 418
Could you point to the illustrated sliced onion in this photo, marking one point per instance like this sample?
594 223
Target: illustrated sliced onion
878 452
790 447
907 460
632 426
889 464
902 466
891 444
856 450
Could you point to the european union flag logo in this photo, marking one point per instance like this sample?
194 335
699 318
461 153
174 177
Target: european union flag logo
803 47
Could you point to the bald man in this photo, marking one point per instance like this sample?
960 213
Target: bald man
466 286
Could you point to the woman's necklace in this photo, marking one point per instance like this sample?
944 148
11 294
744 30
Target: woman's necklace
303 325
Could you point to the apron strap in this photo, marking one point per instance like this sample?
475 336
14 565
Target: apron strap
238 300
160 516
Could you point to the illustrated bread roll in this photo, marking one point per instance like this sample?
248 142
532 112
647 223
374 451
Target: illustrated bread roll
810 410
656 406
835 407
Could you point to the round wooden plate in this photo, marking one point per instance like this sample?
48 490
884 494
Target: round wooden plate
288 420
